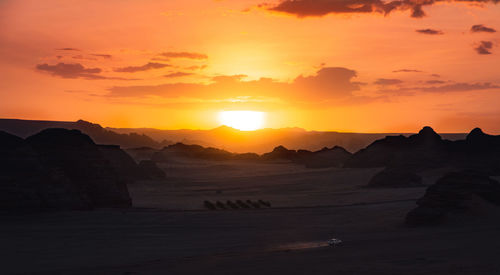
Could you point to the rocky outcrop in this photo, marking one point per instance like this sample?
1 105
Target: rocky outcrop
58 169
141 153
395 177
26 182
150 170
105 136
180 150
100 135
9 142
427 149
455 193
281 153
480 152
81 160
326 157
126 167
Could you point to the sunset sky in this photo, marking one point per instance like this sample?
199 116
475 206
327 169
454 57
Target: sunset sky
343 65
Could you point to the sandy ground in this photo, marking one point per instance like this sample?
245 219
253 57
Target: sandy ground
190 183
169 232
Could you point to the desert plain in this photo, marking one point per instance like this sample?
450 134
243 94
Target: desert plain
170 231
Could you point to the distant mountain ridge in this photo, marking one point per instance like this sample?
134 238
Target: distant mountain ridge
25 128
326 157
223 137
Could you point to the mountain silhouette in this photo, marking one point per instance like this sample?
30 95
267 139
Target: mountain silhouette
63 169
197 152
223 137
456 193
326 157
25 128
428 150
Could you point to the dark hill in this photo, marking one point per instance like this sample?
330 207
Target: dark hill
326 157
428 150
425 149
122 163
282 153
8 141
233 140
455 193
61 169
395 177
25 128
198 152
81 160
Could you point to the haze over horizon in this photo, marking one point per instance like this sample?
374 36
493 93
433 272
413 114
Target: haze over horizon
349 66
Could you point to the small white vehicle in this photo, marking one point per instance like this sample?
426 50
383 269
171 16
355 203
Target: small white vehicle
334 242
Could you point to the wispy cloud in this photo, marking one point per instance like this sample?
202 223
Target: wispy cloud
306 8
334 84
484 47
72 70
145 67
407 71
68 49
430 31
481 28
189 55
75 70
106 56
387 81
177 74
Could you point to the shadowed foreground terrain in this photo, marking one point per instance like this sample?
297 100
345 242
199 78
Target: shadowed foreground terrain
309 207
168 228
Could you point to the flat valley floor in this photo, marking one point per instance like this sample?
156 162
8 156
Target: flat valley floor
168 231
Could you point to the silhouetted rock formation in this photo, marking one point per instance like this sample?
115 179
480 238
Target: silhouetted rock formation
281 153
148 169
480 152
334 157
81 160
428 150
455 193
198 152
326 157
25 128
395 177
61 169
141 153
8 141
27 183
103 136
126 167
423 149
259 141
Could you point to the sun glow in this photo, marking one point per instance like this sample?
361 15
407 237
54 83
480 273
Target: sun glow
242 120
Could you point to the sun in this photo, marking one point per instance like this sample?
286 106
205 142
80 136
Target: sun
242 120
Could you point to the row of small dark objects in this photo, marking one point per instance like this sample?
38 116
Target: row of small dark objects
237 204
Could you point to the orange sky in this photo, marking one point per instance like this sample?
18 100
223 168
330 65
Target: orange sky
345 65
